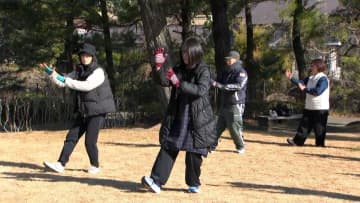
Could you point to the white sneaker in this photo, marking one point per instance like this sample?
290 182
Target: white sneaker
55 166
273 114
149 183
194 189
291 141
241 151
93 170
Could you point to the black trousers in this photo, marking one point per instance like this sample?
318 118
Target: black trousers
91 127
165 161
312 120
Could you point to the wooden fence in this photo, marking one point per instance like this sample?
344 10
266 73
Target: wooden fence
25 114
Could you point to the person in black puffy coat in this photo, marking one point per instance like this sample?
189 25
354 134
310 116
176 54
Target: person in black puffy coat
189 123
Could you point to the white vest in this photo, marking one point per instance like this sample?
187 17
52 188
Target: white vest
320 102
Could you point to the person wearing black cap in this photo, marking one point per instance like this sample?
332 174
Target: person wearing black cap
232 83
94 99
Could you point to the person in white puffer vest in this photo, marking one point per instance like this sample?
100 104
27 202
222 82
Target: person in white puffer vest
316 111
93 100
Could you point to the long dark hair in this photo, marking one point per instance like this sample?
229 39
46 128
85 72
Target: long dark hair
194 49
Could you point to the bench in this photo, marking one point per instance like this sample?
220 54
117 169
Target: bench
268 122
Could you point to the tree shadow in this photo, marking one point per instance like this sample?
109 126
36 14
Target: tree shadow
343 129
342 138
285 144
266 142
130 144
337 137
31 166
350 174
330 156
333 147
122 185
331 135
282 144
68 169
174 189
224 150
21 165
295 191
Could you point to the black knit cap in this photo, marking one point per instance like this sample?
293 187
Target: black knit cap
88 49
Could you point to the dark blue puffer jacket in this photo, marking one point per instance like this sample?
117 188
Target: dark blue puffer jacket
232 84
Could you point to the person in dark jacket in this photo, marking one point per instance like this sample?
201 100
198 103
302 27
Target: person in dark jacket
232 83
189 123
94 99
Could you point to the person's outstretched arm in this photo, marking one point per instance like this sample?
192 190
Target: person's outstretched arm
93 81
295 81
241 81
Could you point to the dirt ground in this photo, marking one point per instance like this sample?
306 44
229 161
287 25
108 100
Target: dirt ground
269 171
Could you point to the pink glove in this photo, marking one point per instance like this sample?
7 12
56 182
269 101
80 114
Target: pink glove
160 58
170 75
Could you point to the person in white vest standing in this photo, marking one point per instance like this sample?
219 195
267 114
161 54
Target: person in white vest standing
316 111
93 100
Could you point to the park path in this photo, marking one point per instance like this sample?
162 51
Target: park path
342 121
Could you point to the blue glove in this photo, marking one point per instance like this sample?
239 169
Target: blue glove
48 70
60 78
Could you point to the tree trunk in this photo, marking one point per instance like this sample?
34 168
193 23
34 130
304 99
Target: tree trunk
68 46
107 39
156 35
185 18
221 36
250 47
69 38
221 32
297 44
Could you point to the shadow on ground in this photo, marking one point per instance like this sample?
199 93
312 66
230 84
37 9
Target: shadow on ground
295 191
122 185
130 144
21 165
328 156
333 126
41 175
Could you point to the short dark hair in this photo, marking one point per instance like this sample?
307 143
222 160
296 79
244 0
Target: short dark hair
319 64
193 48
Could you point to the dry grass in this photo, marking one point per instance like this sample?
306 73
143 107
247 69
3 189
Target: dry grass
269 171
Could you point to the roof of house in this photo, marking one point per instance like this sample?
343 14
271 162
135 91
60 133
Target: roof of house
268 12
